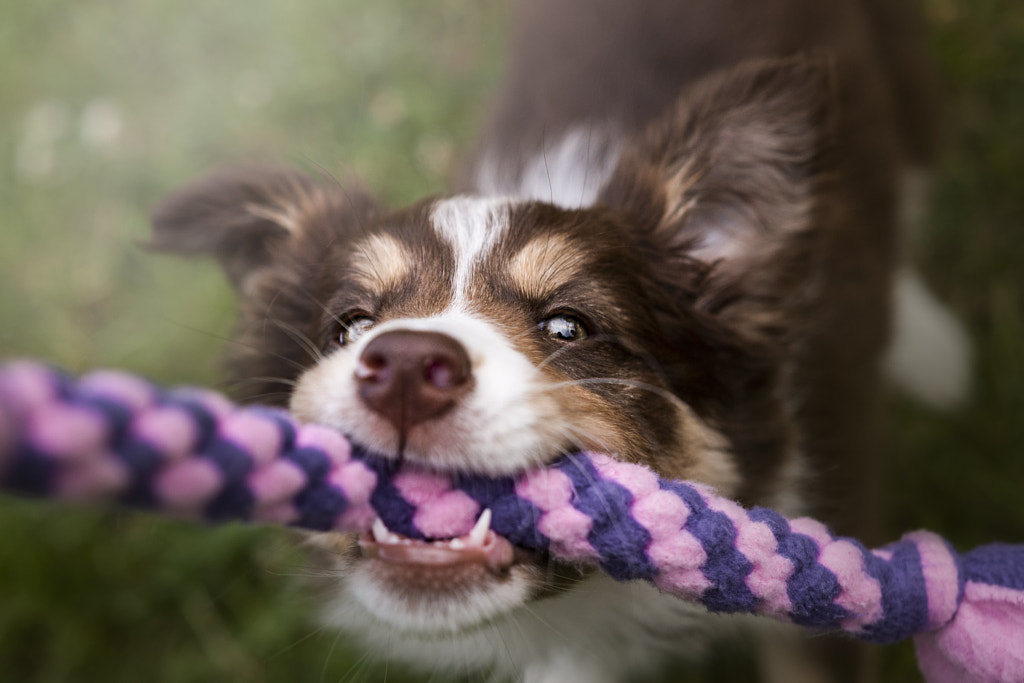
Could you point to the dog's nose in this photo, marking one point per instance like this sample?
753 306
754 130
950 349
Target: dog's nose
411 376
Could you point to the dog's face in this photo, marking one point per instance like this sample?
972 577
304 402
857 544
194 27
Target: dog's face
491 335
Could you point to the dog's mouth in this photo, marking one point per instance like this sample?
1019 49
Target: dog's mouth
481 547
442 585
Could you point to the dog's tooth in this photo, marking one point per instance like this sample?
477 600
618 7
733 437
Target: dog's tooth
457 544
480 529
380 532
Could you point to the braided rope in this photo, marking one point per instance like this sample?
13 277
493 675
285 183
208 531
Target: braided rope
114 437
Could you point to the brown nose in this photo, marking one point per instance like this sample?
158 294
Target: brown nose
410 376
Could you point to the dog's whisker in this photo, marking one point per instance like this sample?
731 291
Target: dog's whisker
584 440
300 338
632 383
262 380
357 666
313 633
535 615
271 397
235 342
503 640
335 318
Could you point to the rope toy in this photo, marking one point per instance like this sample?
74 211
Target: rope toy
113 437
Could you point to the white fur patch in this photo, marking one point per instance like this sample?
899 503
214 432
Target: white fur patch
599 632
365 595
568 173
472 226
930 354
509 421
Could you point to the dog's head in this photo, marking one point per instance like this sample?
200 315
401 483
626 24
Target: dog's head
492 334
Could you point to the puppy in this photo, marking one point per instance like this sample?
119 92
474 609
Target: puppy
675 243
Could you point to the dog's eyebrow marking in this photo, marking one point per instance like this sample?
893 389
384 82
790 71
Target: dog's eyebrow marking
380 262
545 264
472 226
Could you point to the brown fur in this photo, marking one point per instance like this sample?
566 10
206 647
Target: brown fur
623 65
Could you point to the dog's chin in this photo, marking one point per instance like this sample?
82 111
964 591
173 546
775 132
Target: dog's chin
429 590
428 600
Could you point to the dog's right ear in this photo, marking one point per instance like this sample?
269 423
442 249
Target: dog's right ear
727 189
250 216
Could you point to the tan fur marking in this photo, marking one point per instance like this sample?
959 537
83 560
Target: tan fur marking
709 459
595 423
679 183
288 217
290 207
544 265
380 262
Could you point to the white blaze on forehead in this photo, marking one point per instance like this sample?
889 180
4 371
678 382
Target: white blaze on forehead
472 226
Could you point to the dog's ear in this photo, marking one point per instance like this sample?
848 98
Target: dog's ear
725 190
250 216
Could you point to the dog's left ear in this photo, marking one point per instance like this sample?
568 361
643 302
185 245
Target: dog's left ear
724 189
252 218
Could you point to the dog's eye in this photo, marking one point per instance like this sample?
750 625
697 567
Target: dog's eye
564 327
353 327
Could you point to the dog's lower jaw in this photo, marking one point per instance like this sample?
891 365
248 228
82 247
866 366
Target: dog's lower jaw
594 630
435 602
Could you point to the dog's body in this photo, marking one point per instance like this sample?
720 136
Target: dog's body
675 244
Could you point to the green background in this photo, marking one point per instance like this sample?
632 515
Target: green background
107 104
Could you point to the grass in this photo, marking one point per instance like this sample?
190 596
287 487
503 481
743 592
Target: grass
107 104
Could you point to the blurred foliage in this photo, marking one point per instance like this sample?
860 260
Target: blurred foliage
104 105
